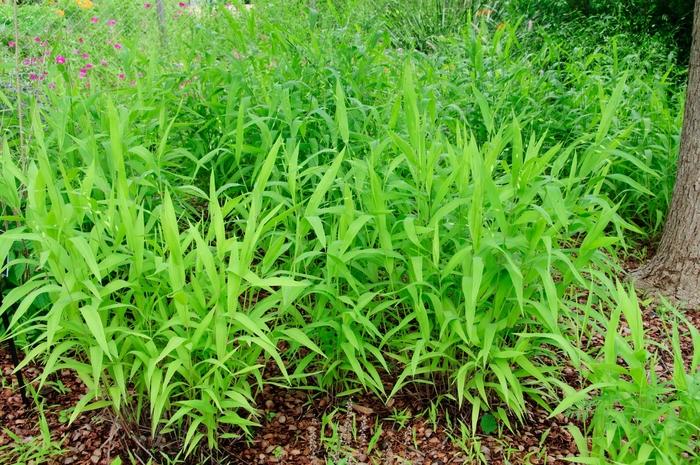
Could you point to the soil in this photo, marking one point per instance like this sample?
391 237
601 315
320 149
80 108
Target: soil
91 439
291 434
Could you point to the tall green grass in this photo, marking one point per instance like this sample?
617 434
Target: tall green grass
644 411
285 197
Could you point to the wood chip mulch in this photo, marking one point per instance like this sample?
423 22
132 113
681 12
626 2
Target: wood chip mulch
291 435
91 439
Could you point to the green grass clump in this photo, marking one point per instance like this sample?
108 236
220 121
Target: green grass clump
283 196
427 260
641 413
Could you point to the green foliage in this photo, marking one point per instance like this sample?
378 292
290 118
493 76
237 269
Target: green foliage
488 424
282 196
419 23
670 19
639 416
642 14
37 450
33 20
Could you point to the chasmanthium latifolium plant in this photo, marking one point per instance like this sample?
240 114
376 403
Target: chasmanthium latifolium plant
639 414
284 197
436 258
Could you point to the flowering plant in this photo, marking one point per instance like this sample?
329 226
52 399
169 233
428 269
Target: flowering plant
84 4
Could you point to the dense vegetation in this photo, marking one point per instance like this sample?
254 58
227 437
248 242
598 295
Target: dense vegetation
351 199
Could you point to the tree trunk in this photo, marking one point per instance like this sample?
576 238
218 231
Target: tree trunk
675 269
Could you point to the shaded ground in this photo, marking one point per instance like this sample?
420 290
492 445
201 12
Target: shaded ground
89 440
291 434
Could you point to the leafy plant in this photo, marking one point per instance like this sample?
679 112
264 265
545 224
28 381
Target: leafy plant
283 196
638 416
418 23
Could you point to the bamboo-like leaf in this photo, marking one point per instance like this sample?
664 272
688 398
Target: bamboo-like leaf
341 114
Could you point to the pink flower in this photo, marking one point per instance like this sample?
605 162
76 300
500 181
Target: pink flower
33 77
52 85
121 76
37 39
88 66
111 22
147 5
118 46
61 60
182 5
44 44
83 72
103 62
94 20
85 56
12 44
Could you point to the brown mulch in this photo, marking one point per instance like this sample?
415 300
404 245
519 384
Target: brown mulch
91 439
294 421
658 328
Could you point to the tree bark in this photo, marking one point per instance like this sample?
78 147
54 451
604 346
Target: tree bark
674 271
